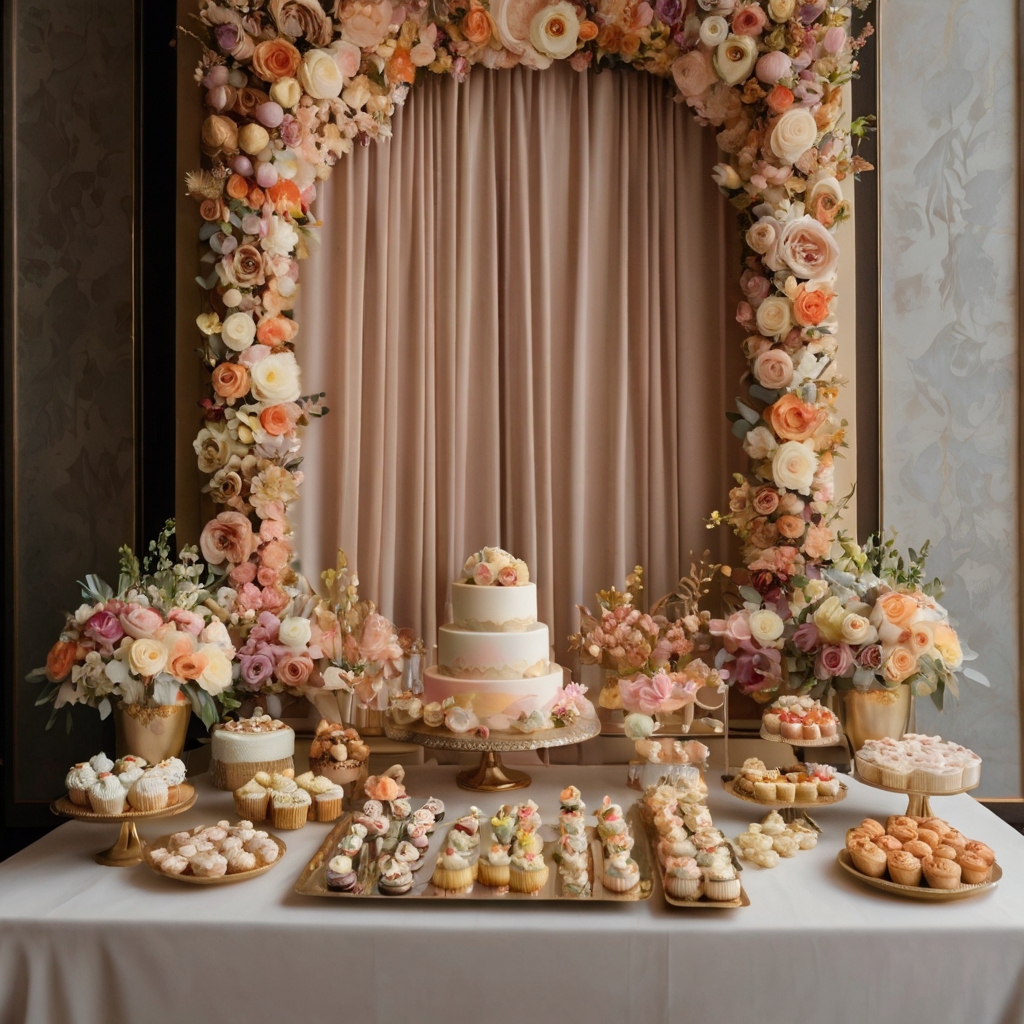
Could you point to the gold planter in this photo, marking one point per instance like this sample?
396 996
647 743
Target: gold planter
874 714
153 733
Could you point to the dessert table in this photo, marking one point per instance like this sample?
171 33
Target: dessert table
79 942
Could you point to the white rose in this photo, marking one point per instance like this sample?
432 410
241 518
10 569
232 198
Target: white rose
775 316
216 633
714 30
347 56
555 30
765 626
287 92
794 465
815 590
238 331
759 443
827 184
763 238
735 58
725 176
294 631
336 679
216 677
320 76
857 630
794 133
147 657
781 10
809 249
275 379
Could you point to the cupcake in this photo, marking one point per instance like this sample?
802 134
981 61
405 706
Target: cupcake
528 872
918 848
174 769
493 867
328 804
128 762
948 852
341 876
290 810
395 877
101 763
904 868
868 859
940 873
973 869
609 819
314 785
79 781
888 843
683 878
926 835
453 872
147 793
251 801
107 795
772 723
721 884
792 730
904 833
528 842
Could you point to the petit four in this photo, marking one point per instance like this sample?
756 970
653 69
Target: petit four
572 854
239 749
212 851
801 784
341 877
919 764
394 877
799 720
766 842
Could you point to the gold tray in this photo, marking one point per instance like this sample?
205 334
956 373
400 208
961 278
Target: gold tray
920 892
807 805
833 741
239 876
312 881
703 903
918 801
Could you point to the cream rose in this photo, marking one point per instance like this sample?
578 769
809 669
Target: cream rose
775 316
694 73
358 92
287 92
763 238
858 630
774 369
794 133
809 249
735 58
365 24
815 590
726 176
275 379
216 676
147 657
829 617
347 56
714 30
765 626
947 644
781 10
238 331
253 139
554 31
320 76
294 631
793 466
760 443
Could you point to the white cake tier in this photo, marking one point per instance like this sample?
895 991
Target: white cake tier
238 747
494 609
468 654
486 698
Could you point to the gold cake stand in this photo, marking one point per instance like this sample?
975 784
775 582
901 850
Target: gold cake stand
490 775
918 801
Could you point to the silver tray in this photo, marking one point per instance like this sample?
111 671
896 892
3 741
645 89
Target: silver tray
312 881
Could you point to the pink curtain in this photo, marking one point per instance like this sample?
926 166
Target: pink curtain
521 312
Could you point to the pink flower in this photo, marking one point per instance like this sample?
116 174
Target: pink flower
734 630
189 621
749 20
272 529
228 538
508 577
275 554
249 597
265 576
870 656
834 661
379 641
139 620
274 599
241 574
806 637
483 574
662 692
293 669
104 628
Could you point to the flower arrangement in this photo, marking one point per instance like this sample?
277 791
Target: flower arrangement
495 567
154 642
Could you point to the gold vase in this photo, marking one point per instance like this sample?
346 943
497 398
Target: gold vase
153 733
874 714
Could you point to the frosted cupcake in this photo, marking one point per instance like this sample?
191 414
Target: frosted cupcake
610 820
100 763
528 872
107 795
147 792
251 801
290 810
79 781
621 873
721 883
493 866
683 878
328 804
453 872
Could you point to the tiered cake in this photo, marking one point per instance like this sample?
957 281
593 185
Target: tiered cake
494 658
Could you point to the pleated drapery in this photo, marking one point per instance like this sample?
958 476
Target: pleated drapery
520 315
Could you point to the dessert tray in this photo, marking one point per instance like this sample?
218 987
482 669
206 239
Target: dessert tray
918 803
128 850
312 881
779 805
702 902
239 876
920 892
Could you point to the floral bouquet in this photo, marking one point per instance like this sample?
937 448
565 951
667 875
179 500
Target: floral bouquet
155 642
495 567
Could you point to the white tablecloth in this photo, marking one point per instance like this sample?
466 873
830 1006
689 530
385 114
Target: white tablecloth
79 942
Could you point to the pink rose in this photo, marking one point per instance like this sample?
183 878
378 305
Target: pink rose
808 249
272 529
507 577
104 628
275 554
749 20
364 24
249 597
140 620
274 599
483 574
834 661
870 657
294 669
766 501
774 369
266 577
834 40
189 621
806 637
228 538
694 73
241 574
379 640
773 66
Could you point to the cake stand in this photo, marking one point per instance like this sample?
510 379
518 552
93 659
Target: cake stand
918 804
790 811
128 850
490 775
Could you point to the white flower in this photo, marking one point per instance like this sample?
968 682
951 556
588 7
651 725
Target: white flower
358 92
294 631
238 331
714 30
347 56
554 31
760 443
337 679
275 379
726 177
815 590
459 720
781 10
794 133
794 465
763 237
147 657
320 75
775 316
809 249
735 58
827 184
765 626
858 630
216 677
216 633
281 239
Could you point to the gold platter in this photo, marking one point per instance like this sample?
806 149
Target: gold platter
920 892
803 805
127 851
312 881
239 876
703 903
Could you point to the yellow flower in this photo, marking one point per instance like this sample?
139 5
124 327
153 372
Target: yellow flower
829 619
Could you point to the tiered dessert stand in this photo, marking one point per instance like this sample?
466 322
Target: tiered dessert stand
490 775
790 811
128 850
918 804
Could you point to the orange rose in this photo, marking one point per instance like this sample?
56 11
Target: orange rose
400 67
237 187
790 527
818 542
257 197
476 26
285 196
811 306
279 419
60 659
212 210
587 31
630 44
274 59
793 419
231 381
610 38
825 208
189 666
779 99
276 330
382 788
900 665
899 609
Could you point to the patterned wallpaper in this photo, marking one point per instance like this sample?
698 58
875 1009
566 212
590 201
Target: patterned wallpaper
948 142
74 494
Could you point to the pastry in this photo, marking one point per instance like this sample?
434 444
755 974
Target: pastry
341 877
208 864
148 792
79 781
806 792
904 833
949 852
289 810
395 876
621 873
974 869
453 872
868 859
785 791
918 848
493 866
251 801
107 795
940 873
887 843
980 850
904 867
683 878
721 884
872 827
339 754
766 792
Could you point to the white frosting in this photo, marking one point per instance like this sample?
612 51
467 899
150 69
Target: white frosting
237 747
494 608
487 698
468 654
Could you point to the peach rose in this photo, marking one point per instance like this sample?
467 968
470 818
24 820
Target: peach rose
293 669
588 31
280 419
793 419
610 39
188 666
900 665
231 381
228 538
476 26
818 542
242 574
285 196
382 788
897 608
275 554
274 59
630 45
790 527
60 660
774 369
825 208
400 68
364 24
766 501
256 199
276 330
212 210
378 641
811 305
809 250
266 577
780 99
237 187
139 620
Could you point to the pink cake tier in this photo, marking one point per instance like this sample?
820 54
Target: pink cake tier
489 697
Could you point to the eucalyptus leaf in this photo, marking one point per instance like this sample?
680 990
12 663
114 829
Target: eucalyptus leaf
750 415
208 230
763 394
750 594
975 676
741 428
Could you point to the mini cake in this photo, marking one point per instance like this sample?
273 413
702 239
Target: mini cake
721 883
528 872
453 872
340 755
341 876
395 877
240 749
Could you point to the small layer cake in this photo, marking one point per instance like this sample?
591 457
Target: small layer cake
494 609
471 654
240 749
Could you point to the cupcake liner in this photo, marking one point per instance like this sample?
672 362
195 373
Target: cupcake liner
327 807
527 881
722 890
683 888
143 801
107 805
290 816
452 880
895 778
79 796
493 874
252 806
234 775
